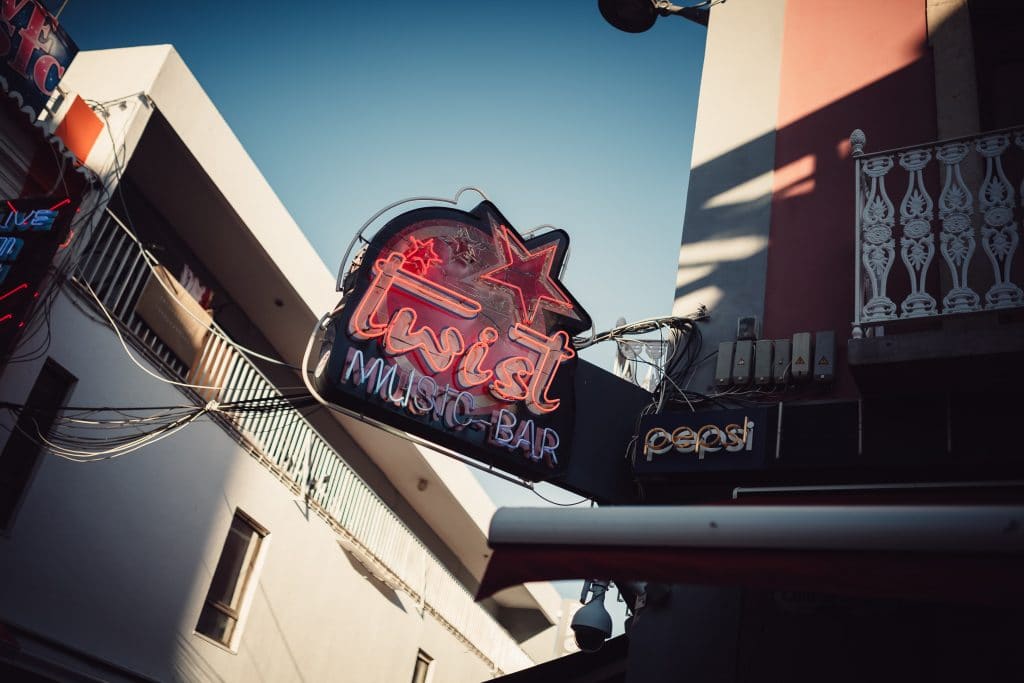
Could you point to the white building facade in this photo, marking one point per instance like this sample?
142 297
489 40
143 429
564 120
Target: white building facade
218 525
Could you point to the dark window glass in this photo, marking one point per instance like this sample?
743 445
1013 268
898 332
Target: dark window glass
21 453
997 26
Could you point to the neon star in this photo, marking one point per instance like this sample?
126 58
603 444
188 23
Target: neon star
464 248
419 256
528 274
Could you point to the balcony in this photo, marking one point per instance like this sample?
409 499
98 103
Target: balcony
938 272
113 273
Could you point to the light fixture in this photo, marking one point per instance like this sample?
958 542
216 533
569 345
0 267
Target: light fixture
637 16
592 624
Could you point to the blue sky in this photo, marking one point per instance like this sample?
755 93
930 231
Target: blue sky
347 107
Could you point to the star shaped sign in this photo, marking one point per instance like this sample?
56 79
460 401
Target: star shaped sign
420 255
527 274
464 248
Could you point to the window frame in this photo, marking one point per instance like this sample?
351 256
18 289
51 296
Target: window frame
17 433
246 582
428 674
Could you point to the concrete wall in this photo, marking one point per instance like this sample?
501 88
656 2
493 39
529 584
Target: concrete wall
723 257
769 227
176 145
115 558
844 65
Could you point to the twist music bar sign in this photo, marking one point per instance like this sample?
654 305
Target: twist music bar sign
457 329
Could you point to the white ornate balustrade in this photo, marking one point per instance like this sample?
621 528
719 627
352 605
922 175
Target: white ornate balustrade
908 200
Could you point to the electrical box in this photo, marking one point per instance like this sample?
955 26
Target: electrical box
743 362
824 356
723 369
763 362
783 361
746 328
802 357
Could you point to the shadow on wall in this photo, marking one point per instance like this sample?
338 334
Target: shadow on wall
281 641
190 665
799 272
386 591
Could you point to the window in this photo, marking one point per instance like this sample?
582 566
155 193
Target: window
20 455
421 672
232 580
997 26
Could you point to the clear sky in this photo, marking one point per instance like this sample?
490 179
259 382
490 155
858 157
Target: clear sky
348 106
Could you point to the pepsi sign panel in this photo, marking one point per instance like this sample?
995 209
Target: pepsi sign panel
456 328
706 441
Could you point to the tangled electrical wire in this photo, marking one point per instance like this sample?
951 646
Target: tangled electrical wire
672 390
95 434
36 337
681 337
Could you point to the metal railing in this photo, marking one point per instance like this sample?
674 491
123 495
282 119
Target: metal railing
955 192
114 265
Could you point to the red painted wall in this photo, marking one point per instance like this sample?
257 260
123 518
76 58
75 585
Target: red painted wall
845 65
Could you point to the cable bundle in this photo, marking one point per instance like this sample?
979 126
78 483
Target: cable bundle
73 435
92 434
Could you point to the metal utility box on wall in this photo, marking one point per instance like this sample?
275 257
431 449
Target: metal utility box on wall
824 356
801 367
723 368
783 361
763 357
743 362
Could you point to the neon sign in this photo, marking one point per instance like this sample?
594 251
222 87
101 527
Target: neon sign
700 441
34 51
456 328
710 440
31 231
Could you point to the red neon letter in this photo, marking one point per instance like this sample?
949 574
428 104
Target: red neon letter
388 273
442 297
469 374
512 376
34 35
438 353
12 7
553 351
42 69
362 325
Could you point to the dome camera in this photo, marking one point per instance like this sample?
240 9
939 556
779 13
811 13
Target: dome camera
637 16
631 16
592 624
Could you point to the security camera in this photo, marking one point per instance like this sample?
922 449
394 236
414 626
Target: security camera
631 16
637 16
592 624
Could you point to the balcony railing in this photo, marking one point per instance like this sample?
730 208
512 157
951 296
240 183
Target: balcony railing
115 267
952 199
